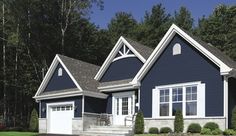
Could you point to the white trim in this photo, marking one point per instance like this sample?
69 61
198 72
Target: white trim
68 72
224 69
71 94
82 104
119 95
123 56
167 118
113 53
49 105
50 72
226 100
200 99
118 87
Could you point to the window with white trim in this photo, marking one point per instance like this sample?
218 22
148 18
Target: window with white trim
187 97
164 102
177 98
59 72
191 100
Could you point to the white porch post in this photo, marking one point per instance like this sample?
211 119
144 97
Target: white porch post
226 101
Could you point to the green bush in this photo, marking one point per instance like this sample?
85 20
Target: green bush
165 130
33 125
206 131
194 128
228 132
211 125
216 132
139 123
233 119
179 122
153 130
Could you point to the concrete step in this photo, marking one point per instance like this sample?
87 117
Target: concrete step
108 131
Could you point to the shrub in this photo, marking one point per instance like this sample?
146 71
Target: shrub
139 123
206 131
233 119
194 128
211 125
179 122
153 130
216 132
228 132
165 130
33 125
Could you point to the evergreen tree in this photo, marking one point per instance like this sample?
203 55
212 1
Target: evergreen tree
33 125
183 19
179 122
139 123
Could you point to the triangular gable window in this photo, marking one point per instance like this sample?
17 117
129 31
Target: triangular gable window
124 52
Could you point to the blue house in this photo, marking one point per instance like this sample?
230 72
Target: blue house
182 72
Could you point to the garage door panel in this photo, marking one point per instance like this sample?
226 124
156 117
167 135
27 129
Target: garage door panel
61 119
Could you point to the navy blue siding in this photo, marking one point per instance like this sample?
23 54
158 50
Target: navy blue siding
232 98
109 104
94 105
189 66
77 100
59 82
122 69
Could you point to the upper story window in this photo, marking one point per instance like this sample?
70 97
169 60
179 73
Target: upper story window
177 49
59 72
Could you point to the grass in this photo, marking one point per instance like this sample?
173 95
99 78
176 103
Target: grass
12 133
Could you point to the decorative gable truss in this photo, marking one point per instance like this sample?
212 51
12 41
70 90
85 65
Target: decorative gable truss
124 52
122 49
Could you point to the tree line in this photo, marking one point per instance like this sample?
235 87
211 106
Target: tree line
33 31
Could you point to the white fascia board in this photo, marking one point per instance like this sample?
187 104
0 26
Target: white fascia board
114 88
113 53
49 73
224 69
71 94
47 76
58 95
95 94
68 72
108 60
133 50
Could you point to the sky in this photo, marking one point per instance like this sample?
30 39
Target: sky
137 8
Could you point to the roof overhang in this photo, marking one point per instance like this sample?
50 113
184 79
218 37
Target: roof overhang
173 30
49 73
119 87
112 55
70 94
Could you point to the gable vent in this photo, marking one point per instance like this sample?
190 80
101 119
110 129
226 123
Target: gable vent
177 49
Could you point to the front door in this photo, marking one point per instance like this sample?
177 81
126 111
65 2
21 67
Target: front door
123 108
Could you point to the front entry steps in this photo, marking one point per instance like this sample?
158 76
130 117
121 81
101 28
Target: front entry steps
108 131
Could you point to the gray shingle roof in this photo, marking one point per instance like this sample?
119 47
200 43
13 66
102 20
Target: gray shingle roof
140 48
215 51
83 72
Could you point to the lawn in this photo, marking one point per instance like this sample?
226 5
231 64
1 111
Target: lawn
17 134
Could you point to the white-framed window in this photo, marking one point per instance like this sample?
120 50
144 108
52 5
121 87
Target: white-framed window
59 72
187 97
176 49
164 102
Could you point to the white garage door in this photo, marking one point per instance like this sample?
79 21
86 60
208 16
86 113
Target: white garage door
60 119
